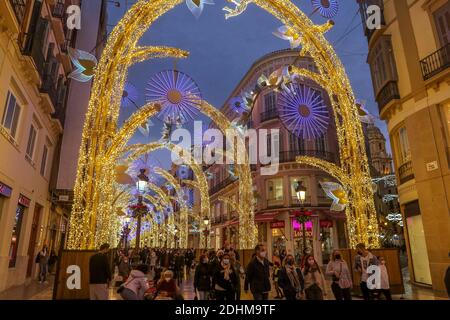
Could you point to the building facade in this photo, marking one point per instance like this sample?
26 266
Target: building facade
276 203
409 56
34 62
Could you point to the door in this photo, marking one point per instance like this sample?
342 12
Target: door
33 237
442 20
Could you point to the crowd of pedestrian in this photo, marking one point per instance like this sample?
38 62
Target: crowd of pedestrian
219 275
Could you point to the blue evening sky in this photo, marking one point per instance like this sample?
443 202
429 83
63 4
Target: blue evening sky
222 51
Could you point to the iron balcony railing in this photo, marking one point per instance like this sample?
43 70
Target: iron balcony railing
59 9
436 62
290 156
406 172
269 115
221 185
19 7
387 94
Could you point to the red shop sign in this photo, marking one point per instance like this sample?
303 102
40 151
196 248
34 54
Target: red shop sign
277 225
5 190
24 201
326 223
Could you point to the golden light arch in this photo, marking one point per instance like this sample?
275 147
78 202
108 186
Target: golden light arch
89 215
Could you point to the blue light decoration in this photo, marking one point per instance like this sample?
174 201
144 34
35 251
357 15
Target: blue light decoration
188 196
84 64
238 106
327 8
178 94
159 217
197 6
183 172
129 95
303 111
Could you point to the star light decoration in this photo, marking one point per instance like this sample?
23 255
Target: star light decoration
178 94
290 35
327 8
197 6
85 64
303 111
364 115
389 180
337 193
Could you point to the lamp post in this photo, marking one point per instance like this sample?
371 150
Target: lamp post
300 191
141 186
126 232
205 232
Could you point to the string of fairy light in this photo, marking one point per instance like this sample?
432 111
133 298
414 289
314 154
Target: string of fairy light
103 143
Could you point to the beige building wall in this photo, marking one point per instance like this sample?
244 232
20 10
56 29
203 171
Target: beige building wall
421 107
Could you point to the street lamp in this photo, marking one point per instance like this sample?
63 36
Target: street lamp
300 191
206 221
142 182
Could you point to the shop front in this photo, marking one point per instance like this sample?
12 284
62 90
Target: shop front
5 194
21 211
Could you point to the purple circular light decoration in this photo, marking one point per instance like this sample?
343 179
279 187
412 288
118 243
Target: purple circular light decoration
178 94
237 104
327 8
303 111
129 95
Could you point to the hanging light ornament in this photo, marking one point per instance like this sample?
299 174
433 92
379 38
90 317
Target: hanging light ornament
129 95
303 111
337 193
327 8
364 115
239 107
197 6
178 94
84 63
288 34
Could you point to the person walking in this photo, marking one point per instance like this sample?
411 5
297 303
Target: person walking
99 274
258 275
136 285
240 272
342 284
42 259
202 279
124 268
291 279
275 278
385 287
225 280
314 280
363 261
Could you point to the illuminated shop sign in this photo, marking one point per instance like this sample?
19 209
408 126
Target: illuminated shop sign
5 190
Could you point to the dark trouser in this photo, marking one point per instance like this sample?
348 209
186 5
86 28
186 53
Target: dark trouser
341 294
128 294
238 294
260 295
43 272
314 293
367 294
228 295
386 293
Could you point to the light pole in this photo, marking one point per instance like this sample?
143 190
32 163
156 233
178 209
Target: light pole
141 186
300 191
205 232
127 232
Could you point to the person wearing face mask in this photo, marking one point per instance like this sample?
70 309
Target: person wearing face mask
314 280
202 279
291 279
225 280
338 269
240 272
385 286
258 275
167 288
364 260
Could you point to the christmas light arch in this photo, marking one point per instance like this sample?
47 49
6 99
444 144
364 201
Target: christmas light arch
101 140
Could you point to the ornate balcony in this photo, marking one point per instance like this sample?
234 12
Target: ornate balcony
405 172
269 115
436 62
387 94
223 184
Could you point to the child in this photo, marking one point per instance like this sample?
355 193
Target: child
385 287
275 275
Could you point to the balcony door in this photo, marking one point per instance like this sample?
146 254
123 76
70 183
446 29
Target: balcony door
442 20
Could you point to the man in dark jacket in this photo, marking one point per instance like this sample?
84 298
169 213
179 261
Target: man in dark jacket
258 275
99 274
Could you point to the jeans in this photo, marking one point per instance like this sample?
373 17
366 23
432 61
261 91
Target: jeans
367 294
43 272
341 294
260 296
128 294
203 295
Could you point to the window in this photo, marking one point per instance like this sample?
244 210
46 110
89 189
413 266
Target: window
270 102
44 160
275 192
31 142
320 144
10 119
403 145
296 143
382 63
442 21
